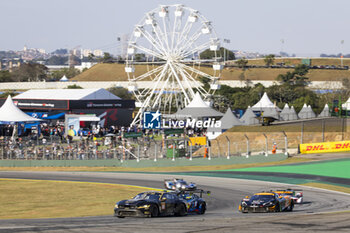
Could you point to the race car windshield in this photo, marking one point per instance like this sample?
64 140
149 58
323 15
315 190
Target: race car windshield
147 196
287 194
261 197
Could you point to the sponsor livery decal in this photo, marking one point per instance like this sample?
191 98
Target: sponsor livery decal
324 147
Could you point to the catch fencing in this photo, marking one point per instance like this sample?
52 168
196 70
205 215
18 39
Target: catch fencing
157 148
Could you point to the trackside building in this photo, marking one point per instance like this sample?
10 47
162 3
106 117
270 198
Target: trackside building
55 103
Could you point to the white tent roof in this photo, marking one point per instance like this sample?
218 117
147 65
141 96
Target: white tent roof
325 112
64 78
271 112
311 112
68 94
293 114
9 112
264 102
285 113
227 121
197 108
249 117
286 106
197 102
306 112
288 114
346 105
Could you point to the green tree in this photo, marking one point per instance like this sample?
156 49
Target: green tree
208 54
74 86
30 72
296 77
140 57
346 85
5 76
107 58
121 92
242 63
91 57
57 60
68 72
269 59
7 93
205 81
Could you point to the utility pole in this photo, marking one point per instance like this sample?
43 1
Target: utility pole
226 41
281 52
341 53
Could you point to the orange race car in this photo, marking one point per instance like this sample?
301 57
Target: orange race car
266 202
295 195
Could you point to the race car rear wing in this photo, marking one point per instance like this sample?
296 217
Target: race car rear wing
197 191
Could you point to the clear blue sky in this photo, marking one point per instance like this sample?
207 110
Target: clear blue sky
308 27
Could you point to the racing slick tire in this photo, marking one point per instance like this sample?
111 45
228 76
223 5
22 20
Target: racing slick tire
278 208
202 208
153 209
290 208
120 216
180 210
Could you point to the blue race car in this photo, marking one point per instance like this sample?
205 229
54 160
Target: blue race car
194 203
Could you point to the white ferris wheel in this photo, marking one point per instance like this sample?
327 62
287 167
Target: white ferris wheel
166 45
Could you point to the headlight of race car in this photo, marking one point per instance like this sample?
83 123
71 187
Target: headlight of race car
269 204
244 203
116 206
144 206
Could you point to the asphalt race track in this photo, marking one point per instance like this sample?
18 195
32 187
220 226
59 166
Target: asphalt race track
318 213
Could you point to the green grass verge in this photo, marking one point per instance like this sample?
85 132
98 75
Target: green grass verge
336 168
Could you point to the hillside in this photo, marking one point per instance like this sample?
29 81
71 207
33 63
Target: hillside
115 72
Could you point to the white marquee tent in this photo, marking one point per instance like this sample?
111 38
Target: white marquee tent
293 114
325 112
10 113
306 112
249 117
197 108
346 105
288 114
271 112
64 79
227 121
264 103
285 113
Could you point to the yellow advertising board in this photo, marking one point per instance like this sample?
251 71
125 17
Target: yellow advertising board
324 147
201 141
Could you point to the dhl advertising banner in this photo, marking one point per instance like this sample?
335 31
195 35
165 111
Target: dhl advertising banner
324 147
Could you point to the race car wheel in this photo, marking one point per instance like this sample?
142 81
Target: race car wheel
202 208
120 216
290 208
278 208
154 211
180 210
